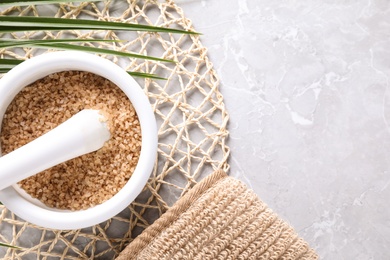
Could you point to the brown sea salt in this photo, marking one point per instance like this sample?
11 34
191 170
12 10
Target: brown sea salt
90 179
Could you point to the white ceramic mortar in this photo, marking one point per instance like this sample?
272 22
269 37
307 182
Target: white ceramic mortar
34 211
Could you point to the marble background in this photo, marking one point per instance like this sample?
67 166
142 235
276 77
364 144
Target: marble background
306 84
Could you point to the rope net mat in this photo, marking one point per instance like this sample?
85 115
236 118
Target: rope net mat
189 110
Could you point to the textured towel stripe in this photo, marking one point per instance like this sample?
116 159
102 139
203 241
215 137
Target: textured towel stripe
237 236
280 246
210 222
216 230
196 220
273 245
296 250
132 250
230 232
311 254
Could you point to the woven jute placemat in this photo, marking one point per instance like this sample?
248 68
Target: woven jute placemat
220 218
190 113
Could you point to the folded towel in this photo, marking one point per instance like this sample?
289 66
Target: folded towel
219 218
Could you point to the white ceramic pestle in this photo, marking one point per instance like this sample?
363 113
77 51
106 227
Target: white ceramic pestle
83 133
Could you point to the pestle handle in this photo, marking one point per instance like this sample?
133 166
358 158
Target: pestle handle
83 133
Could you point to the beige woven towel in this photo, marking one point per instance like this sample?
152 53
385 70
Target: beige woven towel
220 218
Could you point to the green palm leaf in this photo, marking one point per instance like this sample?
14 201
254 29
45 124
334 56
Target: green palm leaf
6 245
7 64
31 23
65 46
20 43
145 75
38 2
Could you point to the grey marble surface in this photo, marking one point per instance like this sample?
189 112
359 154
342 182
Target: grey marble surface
306 84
